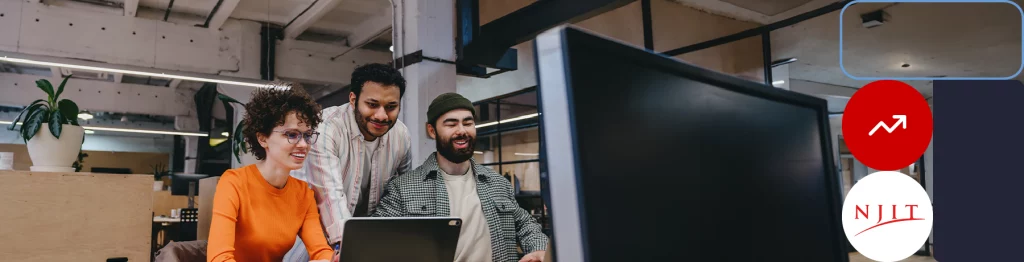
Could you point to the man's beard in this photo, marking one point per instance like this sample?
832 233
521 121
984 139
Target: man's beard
364 123
446 148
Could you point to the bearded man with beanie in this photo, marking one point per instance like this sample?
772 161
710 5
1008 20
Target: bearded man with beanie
451 183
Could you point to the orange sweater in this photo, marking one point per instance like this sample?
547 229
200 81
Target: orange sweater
254 221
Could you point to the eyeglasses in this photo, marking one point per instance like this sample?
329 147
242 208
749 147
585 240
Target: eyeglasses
293 136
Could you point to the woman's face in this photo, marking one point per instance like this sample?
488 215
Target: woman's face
286 144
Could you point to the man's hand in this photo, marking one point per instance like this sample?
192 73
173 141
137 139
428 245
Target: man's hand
536 256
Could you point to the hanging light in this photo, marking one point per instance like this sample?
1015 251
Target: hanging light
85 115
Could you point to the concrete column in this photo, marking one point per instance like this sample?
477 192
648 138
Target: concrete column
426 25
191 151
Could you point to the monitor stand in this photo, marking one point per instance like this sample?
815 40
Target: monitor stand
191 194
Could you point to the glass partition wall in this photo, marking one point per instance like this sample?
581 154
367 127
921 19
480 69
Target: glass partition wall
508 141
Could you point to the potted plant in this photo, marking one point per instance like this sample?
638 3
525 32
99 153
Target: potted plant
159 172
50 129
80 163
238 141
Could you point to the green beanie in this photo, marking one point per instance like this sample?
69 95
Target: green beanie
447 102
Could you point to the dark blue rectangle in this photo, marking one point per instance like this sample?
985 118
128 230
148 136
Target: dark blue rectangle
978 183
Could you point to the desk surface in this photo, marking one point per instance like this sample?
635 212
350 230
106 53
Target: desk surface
160 219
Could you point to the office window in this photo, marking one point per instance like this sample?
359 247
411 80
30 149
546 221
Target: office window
508 141
508 138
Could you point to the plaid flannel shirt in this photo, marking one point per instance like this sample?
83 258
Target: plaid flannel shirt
422 193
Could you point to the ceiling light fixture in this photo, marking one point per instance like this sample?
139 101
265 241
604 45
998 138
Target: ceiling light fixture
905 65
89 132
392 48
527 154
508 120
127 130
85 115
783 61
132 72
224 133
478 152
778 82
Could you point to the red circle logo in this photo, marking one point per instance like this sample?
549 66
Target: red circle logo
887 125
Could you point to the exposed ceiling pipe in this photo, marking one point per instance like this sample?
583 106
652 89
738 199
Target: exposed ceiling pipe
297 16
101 3
168 12
212 12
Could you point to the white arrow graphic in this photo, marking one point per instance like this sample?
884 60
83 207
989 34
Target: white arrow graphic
902 120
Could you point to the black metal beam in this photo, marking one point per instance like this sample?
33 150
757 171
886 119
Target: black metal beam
766 53
759 30
495 38
268 50
645 10
468 12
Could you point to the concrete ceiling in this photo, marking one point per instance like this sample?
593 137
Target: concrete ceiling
947 39
751 10
346 16
930 39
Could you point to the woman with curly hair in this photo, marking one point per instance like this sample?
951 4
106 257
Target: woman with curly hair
259 209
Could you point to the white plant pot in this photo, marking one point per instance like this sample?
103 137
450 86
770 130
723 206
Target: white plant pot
50 154
158 185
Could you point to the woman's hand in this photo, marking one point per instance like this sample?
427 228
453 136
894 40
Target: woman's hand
335 259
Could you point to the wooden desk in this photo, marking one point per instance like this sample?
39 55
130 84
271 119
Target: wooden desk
75 216
166 220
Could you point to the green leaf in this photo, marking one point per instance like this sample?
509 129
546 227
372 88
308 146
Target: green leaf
38 101
239 138
46 87
32 124
239 142
226 98
69 109
56 123
61 88
25 113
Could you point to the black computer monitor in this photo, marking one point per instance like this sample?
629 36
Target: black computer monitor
652 159
180 183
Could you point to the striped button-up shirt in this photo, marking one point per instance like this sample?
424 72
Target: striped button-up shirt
335 163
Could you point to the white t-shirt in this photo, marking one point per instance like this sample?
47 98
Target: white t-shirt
364 183
475 238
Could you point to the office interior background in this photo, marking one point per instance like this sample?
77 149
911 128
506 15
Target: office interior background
139 125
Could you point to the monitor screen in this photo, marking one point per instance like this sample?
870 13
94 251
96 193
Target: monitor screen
654 159
180 183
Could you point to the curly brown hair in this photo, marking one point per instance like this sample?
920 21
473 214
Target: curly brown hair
268 108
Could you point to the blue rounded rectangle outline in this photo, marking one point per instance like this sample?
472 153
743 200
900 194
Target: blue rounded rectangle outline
843 67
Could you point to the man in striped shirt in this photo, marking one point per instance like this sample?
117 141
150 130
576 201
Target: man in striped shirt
362 145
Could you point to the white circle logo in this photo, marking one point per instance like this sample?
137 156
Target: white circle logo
887 216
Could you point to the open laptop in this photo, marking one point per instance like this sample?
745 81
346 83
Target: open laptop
421 239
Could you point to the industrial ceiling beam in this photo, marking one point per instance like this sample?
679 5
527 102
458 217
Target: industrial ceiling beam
758 30
371 29
131 7
220 13
309 16
488 44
